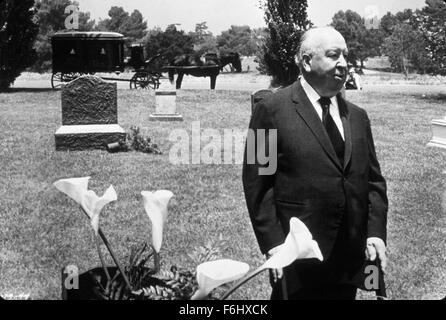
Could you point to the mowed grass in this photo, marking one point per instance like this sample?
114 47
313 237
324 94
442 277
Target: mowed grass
41 230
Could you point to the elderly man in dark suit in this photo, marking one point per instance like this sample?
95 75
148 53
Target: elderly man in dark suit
327 175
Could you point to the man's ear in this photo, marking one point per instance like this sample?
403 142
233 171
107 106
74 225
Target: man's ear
306 62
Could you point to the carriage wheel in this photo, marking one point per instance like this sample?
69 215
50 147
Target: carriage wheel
57 80
154 81
67 77
142 80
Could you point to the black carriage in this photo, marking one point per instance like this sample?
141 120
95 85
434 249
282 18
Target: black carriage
78 53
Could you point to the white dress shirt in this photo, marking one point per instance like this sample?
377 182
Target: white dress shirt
314 97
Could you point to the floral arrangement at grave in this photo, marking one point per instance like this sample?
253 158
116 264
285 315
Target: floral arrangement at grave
135 141
143 278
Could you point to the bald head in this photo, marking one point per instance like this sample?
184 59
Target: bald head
322 60
313 40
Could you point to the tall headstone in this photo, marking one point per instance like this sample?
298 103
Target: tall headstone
166 105
89 115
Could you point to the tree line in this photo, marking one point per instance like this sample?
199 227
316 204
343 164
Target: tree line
413 40
50 17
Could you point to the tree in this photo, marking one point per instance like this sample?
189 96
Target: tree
17 35
50 18
85 23
237 39
388 22
169 43
286 21
118 17
352 27
201 32
371 41
403 46
132 26
204 40
431 21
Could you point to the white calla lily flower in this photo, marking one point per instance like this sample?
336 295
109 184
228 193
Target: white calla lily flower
93 204
299 244
213 274
155 205
77 189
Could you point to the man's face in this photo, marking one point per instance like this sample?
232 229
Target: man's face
327 66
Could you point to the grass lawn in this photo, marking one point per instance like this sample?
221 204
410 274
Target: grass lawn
42 230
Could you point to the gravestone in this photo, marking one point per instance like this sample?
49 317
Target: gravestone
89 115
166 105
438 133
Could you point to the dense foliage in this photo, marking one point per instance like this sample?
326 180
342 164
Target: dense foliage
431 20
286 21
132 26
169 43
50 18
239 39
17 34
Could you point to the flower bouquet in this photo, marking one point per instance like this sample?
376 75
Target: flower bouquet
142 278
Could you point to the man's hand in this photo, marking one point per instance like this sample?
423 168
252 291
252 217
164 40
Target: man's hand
276 274
376 247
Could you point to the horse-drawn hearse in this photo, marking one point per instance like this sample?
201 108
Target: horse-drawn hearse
77 53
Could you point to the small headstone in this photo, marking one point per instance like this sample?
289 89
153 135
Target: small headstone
89 115
438 133
166 105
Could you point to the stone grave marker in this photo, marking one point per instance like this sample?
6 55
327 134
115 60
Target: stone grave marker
166 105
438 133
89 115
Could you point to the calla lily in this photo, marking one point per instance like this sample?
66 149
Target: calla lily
155 204
77 189
213 274
93 204
299 244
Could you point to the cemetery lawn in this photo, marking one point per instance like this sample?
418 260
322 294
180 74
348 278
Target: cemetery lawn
41 230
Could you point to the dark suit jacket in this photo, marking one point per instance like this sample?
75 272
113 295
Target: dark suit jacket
311 184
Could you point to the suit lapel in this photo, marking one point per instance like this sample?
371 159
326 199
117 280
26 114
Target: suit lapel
345 118
306 111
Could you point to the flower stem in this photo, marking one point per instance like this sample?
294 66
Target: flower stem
102 260
242 282
110 250
156 261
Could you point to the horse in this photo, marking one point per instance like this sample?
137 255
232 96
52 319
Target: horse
208 65
232 58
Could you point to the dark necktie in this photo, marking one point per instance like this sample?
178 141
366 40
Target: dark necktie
332 129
